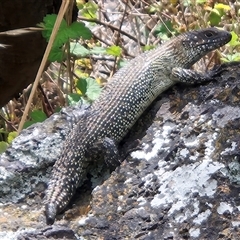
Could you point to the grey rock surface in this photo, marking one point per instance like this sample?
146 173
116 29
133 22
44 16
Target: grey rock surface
183 182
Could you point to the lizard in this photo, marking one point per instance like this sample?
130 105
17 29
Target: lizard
124 98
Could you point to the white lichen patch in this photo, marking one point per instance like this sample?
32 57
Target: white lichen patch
192 141
178 187
129 180
10 235
158 143
184 152
27 137
141 201
202 216
223 207
203 118
236 223
223 115
194 232
119 209
234 145
83 221
194 157
180 217
210 146
121 198
4 174
161 138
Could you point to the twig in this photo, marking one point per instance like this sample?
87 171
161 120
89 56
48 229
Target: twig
118 36
112 27
46 102
8 122
63 8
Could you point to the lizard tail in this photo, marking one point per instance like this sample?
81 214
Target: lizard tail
50 212
65 179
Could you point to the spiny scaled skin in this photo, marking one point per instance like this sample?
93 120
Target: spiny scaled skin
131 90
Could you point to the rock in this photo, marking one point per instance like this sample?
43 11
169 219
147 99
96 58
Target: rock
182 184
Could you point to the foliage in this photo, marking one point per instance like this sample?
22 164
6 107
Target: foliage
4 144
74 31
165 30
36 116
217 12
88 9
88 90
78 50
232 45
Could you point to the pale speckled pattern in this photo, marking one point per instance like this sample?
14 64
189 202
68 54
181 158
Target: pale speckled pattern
131 90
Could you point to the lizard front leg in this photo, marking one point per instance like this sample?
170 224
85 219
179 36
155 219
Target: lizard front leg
189 76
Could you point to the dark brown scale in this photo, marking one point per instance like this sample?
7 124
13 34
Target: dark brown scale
131 90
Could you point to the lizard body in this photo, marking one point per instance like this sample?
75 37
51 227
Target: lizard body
130 91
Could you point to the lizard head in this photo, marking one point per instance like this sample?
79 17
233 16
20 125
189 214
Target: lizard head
198 43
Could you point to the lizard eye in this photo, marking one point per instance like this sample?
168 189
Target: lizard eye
209 34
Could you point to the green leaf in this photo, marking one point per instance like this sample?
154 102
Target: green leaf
162 30
232 57
201 1
11 136
2 131
221 9
78 50
187 3
82 85
214 17
224 60
93 89
234 41
78 29
98 50
65 32
57 109
222 6
122 63
73 98
236 58
114 51
38 116
3 147
50 19
28 124
89 10
48 23
56 54
148 47
74 31
61 38
165 27
155 7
